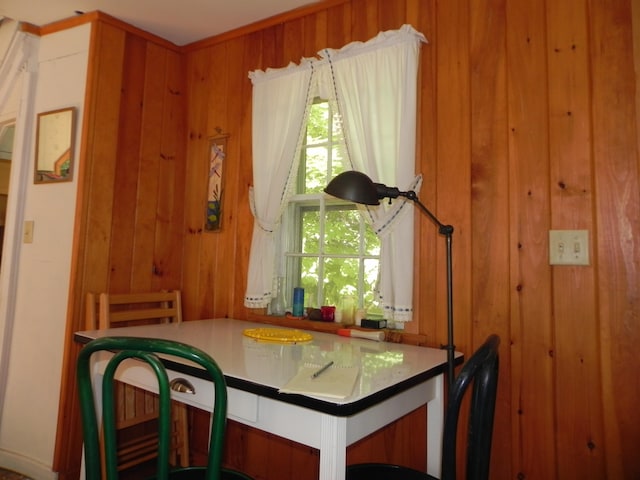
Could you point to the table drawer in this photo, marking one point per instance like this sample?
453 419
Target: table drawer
240 404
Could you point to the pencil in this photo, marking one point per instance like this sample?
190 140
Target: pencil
315 375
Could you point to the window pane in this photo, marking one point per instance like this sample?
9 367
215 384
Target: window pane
340 279
371 241
336 125
315 169
342 232
371 266
309 280
327 254
318 123
338 160
310 231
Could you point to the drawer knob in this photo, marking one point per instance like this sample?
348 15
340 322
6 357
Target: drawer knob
182 385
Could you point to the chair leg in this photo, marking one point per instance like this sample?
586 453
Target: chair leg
181 427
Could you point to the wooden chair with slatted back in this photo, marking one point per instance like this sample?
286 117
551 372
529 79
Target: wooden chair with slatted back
136 408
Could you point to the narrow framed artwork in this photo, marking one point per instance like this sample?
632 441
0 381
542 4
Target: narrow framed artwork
215 184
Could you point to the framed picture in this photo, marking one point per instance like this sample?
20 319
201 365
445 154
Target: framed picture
215 185
54 146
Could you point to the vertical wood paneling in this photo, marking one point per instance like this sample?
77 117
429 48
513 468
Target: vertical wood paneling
391 14
294 45
210 290
532 415
199 65
252 60
150 169
237 116
576 356
364 21
424 288
127 169
121 179
101 149
489 169
527 121
490 197
340 20
452 173
167 266
617 215
396 444
635 22
315 31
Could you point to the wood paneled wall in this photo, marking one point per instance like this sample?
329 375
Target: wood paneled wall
130 211
527 122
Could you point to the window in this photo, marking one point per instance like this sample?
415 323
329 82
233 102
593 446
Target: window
375 83
329 249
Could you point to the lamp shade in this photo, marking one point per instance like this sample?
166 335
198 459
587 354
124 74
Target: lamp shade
354 186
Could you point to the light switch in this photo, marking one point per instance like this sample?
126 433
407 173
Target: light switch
27 233
568 247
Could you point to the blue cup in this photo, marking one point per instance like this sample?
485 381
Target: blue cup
298 302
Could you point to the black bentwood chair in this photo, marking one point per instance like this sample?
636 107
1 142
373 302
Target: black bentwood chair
481 371
147 350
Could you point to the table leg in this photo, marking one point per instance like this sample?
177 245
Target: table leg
333 448
435 427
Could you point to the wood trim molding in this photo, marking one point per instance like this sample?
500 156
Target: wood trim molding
262 24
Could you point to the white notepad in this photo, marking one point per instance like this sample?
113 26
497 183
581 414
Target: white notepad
335 382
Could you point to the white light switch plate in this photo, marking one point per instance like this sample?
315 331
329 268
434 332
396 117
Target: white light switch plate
568 247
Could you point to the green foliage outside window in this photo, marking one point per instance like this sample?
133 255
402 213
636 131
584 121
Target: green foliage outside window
333 252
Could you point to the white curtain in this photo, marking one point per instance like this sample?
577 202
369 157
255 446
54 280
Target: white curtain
376 92
15 60
279 113
374 87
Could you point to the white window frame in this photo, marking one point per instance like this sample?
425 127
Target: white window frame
291 231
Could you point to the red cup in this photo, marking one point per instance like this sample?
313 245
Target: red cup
328 313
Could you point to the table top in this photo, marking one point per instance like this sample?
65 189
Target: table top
264 367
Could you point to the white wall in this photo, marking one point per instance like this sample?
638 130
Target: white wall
32 358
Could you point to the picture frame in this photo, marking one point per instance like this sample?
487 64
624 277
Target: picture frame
215 183
55 135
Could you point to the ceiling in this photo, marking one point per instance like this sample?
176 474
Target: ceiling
179 21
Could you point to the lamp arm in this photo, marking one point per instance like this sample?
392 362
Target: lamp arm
442 228
447 231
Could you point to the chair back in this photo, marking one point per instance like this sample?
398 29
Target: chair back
481 373
146 350
125 309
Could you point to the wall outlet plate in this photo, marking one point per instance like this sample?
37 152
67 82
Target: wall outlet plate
568 247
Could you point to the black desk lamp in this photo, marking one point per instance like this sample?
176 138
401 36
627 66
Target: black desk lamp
359 188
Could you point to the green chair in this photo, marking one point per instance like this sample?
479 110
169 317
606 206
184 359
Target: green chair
146 350
481 372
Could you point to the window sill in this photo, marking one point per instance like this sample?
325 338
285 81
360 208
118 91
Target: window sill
394 336
295 322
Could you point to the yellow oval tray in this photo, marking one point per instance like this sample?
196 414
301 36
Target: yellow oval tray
278 335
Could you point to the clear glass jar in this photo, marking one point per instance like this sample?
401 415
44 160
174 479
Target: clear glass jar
348 305
278 306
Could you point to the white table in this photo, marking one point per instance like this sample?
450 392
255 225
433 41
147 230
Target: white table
394 380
